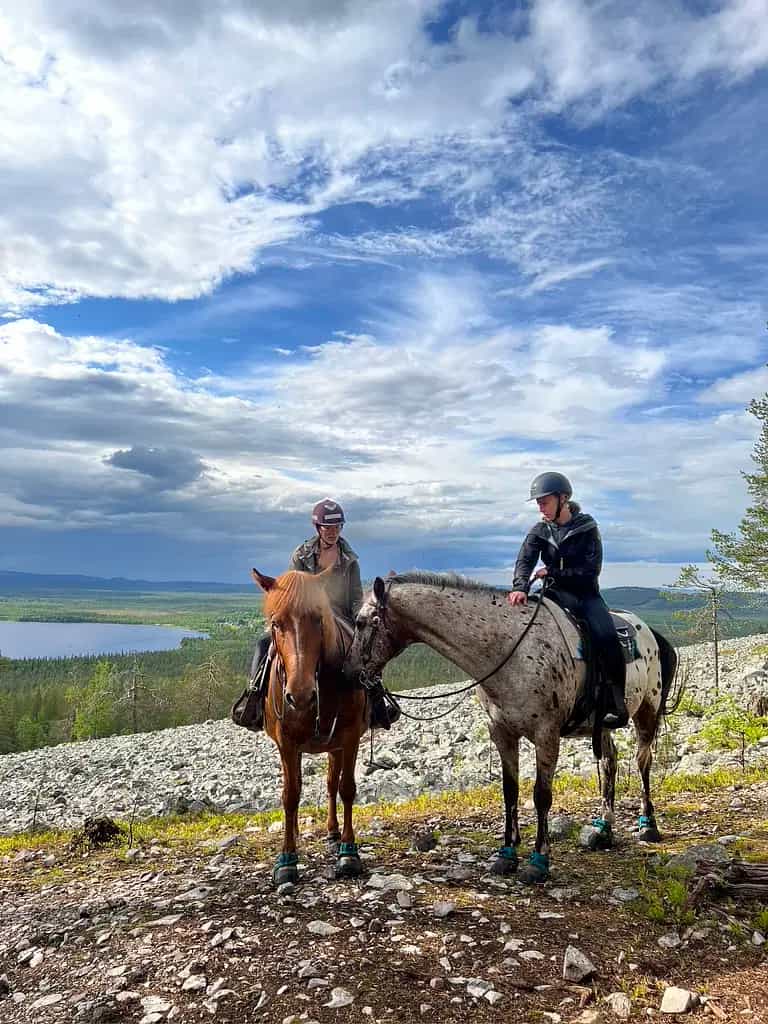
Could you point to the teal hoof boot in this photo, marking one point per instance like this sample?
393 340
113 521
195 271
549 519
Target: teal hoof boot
348 864
285 869
597 836
505 862
647 830
536 870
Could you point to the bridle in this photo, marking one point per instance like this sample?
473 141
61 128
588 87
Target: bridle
287 700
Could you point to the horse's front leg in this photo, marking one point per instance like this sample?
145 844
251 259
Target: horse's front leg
506 857
349 864
333 777
547 753
285 869
599 835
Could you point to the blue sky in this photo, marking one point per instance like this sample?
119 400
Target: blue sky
407 254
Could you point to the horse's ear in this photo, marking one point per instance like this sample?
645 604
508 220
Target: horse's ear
265 582
379 589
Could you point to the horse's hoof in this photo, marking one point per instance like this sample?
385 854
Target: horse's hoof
349 867
286 873
649 835
506 861
597 836
536 871
286 869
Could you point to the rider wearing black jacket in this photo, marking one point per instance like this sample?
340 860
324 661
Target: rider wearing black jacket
568 542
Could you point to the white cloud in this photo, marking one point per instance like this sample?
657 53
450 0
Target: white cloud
155 149
738 389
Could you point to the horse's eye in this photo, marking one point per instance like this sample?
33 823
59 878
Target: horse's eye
278 627
375 620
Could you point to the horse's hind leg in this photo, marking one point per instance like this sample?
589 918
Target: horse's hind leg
506 858
334 776
285 869
600 835
547 752
349 864
645 727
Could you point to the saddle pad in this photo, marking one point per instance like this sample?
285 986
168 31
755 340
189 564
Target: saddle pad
626 632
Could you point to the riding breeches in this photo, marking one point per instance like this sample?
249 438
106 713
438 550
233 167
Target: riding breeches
602 630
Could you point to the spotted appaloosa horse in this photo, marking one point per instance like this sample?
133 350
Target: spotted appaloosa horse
530 695
311 707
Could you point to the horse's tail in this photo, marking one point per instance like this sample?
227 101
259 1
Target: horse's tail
671 694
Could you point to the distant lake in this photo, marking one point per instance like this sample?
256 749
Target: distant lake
71 639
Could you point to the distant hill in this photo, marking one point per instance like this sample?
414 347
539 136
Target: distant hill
648 602
40 585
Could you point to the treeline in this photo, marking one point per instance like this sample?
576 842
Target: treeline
48 701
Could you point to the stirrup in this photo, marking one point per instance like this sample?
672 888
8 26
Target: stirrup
385 710
615 719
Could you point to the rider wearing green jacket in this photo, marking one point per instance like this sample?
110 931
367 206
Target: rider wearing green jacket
328 550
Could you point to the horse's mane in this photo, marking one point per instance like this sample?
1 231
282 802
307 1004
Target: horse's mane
301 593
444 579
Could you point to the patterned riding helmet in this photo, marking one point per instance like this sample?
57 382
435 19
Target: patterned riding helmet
550 483
328 513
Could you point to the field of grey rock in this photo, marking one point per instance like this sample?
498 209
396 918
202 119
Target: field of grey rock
217 764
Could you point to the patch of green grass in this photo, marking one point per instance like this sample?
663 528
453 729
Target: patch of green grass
730 727
664 897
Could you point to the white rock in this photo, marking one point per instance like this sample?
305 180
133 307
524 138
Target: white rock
576 965
339 997
390 883
443 908
322 928
624 895
48 1000
619 1004
678 1000
194 983
669 941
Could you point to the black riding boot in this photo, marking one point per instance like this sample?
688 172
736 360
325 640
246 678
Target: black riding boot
259 678
385 710
616 715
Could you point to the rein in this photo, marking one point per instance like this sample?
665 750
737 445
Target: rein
463 689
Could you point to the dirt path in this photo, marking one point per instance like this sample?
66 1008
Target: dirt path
190 928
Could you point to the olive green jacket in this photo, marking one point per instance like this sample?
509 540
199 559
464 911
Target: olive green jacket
345 591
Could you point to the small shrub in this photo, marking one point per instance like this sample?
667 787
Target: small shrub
730 727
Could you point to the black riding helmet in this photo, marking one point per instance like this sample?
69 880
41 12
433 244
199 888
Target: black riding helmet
550 483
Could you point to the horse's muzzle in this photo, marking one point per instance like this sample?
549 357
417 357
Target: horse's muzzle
302 703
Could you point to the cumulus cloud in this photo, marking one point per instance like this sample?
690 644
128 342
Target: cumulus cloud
168 468
156 149
428 431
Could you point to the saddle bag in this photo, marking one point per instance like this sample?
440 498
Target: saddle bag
248 709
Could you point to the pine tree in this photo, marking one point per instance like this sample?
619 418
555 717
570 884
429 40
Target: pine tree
741 558
95 704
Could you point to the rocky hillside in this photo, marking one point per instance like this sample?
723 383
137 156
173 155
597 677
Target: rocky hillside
219 766
179 919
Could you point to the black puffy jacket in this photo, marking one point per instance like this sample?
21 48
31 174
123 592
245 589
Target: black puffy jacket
573 555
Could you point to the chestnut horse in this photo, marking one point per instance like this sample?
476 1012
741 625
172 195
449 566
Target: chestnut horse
311 708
